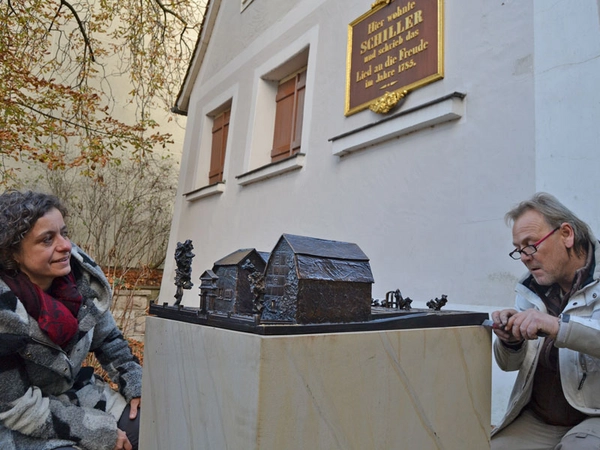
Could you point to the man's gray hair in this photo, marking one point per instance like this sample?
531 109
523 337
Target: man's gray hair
555 214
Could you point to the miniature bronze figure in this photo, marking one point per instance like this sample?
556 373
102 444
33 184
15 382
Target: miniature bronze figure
394 299
437 304
183 272
257 286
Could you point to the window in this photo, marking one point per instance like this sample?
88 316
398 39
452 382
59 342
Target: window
219 144
288 116
209 164
277 120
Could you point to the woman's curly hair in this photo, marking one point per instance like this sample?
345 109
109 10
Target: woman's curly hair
19 211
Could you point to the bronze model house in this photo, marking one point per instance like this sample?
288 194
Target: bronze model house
233 293
310 280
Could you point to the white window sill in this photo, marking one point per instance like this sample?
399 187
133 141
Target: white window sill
206 191
272 170
445 109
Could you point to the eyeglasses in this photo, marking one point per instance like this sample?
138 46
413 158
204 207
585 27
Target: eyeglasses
529 250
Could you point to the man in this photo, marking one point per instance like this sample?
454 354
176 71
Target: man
552 336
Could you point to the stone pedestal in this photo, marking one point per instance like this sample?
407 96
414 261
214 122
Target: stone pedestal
210 388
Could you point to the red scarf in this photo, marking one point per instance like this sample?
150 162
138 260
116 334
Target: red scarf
55 310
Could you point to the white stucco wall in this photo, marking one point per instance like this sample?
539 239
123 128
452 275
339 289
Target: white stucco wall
427 207
567 100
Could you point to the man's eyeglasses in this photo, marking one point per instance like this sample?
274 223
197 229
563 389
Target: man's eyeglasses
529 250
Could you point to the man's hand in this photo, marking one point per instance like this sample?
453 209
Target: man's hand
501 318
134 406
528 324
122 441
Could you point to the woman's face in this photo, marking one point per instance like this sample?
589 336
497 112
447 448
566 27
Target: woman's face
45 250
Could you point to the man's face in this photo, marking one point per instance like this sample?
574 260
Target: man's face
552 262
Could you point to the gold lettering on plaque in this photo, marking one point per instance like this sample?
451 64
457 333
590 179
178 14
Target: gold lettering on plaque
401 10
398 44
390 32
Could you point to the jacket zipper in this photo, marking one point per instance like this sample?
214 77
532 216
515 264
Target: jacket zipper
584 367
582 362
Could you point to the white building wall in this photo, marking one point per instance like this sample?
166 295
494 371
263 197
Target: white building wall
427 207
567 99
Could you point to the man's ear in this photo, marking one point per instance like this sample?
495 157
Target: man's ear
567 234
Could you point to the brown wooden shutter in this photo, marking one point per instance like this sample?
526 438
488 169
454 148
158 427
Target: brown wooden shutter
219 144
288 117
284 115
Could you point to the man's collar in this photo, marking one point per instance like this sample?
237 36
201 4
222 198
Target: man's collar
585 275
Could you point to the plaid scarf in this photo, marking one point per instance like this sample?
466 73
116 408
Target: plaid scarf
55 311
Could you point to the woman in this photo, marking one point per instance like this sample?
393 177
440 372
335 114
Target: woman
54 309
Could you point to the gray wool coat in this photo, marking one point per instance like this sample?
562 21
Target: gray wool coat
45 399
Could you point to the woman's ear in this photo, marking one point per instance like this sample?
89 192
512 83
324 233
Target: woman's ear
16 257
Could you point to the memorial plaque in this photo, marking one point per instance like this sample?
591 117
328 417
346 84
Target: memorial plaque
397 46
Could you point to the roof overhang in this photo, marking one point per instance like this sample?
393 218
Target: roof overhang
206 28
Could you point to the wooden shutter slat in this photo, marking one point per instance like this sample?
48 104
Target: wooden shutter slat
220 131
284 114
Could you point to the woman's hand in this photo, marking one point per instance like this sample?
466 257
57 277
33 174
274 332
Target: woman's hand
122 441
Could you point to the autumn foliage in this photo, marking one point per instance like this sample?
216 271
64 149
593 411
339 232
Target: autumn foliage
129 278
60 65
137 349
64 65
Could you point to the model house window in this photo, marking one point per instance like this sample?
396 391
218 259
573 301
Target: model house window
288 116
219 143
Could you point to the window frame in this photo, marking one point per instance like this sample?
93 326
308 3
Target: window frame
257 165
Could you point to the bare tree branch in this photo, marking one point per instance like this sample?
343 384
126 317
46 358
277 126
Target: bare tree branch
170 11
10 6
81 26
83 126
